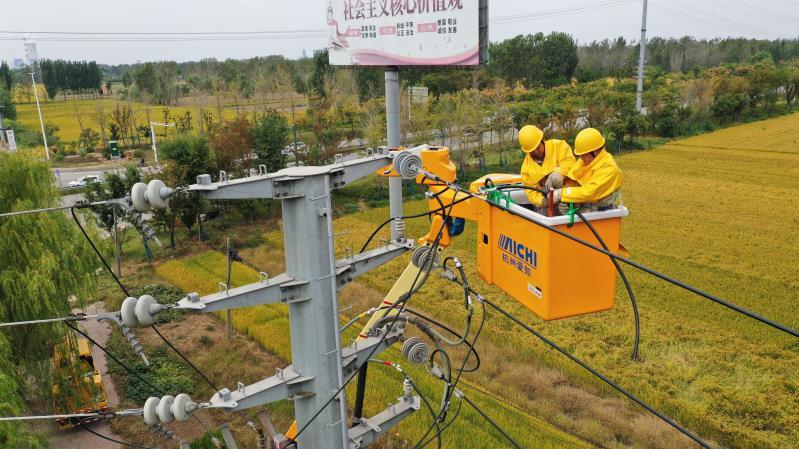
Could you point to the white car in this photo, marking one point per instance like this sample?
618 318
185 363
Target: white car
84 181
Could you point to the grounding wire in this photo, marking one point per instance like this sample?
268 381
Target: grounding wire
646 269
401 303
125 290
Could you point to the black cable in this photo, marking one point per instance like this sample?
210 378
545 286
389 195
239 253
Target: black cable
102 259
452 386
626 285
105 437
401 302
206 379
587 367
445 427
430 408
127 368
629 288
491 421
406 217
648 270
125 290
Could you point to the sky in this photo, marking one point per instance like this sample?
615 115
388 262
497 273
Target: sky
586 20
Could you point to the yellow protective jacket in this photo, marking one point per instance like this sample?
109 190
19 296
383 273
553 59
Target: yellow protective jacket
558 158
597 180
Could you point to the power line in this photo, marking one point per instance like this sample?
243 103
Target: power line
599 375
196 36
113 440
125 290
493 423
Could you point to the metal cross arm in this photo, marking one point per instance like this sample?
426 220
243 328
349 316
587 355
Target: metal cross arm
281 184
369 429
285 289
282 288
350 268
286 384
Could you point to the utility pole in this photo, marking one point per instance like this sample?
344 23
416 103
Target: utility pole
41 120
152 136
639 100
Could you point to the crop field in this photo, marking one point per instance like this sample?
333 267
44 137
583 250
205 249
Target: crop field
717 211
62 113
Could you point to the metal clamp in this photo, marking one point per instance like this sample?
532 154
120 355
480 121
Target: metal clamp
263 277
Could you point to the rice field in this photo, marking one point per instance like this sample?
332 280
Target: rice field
718 211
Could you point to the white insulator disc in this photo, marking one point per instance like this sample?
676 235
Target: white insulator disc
128 312
164 409
138 195
180 407
143 314
149 413
154 194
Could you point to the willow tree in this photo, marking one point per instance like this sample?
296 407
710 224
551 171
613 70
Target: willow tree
43 260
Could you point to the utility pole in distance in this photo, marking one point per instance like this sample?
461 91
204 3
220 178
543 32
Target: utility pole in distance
639 100
41 120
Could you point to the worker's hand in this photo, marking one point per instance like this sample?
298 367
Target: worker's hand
557 195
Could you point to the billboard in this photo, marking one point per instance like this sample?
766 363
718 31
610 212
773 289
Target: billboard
31 54
405 32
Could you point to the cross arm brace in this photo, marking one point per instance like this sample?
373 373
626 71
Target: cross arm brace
286 384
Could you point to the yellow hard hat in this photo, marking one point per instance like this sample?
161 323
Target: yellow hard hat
530 137
588 140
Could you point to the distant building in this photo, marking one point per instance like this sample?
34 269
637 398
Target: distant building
18 63
304 54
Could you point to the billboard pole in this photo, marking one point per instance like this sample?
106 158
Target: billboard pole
394 141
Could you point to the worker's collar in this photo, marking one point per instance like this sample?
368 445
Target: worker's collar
603 154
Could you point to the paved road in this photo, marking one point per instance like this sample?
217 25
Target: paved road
79 438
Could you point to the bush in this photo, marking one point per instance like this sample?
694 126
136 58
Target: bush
138 153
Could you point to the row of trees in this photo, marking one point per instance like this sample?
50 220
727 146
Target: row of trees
73 77
618 57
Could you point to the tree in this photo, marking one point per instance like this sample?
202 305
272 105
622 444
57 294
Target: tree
270 134
6 77
89 139
34 249
127 79
7 108
232 144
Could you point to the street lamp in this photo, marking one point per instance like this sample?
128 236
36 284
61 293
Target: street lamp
41 120
152 136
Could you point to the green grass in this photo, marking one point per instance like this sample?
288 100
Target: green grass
717 211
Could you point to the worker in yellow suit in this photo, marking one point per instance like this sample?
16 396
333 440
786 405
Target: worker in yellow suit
592 184
545 164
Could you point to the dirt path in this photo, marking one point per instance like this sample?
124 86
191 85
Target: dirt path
79 438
